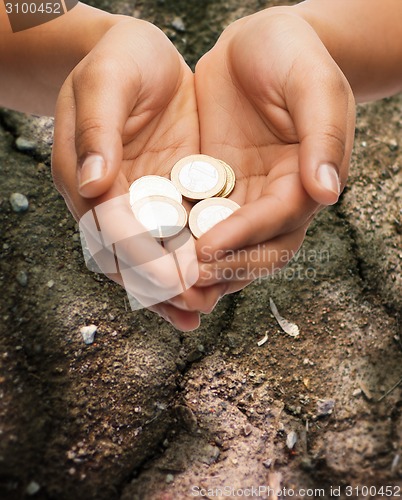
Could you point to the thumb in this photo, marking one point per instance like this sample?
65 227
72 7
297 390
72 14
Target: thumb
102 99
324 121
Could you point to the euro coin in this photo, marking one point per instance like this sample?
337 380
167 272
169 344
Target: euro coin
205 214
163 217
153 185
198 177
230 180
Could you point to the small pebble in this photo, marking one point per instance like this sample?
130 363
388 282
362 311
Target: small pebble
247 429
50 284
32 488
267 463
291 440
88 333
169 478
178 24
211 454
325 408
23 144
19 202
187 418
22 278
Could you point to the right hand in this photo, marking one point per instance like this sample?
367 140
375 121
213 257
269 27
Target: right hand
128 109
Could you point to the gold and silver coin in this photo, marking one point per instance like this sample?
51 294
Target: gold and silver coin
205 214
163 217
199 176
230 180
153 185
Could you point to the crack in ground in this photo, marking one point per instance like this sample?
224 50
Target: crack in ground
369 287
221 328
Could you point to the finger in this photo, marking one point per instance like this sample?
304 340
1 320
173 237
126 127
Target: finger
254 262
282 208
120 244
102 108
200 299
325 125
323 109
185 321
302 93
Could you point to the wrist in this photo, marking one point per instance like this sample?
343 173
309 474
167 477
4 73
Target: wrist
353 34
86 25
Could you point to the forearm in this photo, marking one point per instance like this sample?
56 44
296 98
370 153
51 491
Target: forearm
34 63
365 39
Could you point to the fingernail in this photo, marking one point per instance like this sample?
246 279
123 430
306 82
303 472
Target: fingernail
327 176
92 169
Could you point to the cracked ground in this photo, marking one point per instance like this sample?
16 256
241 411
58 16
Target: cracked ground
147 412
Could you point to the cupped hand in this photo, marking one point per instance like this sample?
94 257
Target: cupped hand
127 110
274 105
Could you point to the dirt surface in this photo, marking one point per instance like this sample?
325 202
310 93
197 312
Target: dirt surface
147 412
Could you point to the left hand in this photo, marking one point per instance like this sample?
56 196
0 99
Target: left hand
128 109
274 105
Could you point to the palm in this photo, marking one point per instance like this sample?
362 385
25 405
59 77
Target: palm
258 139
158 112
160 129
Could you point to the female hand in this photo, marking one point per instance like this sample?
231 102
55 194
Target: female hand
275 106
127 110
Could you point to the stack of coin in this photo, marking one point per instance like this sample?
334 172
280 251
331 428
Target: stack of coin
156 204
198 177
156 201
230 180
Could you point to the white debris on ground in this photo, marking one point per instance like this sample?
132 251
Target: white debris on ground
88 333
263 340
291 440
288 327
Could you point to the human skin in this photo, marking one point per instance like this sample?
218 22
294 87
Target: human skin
126 110
281 85
272 98
34 63
125 106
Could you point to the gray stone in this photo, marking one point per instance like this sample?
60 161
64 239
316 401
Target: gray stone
23 144
178 24
19 202
22 278
325 408
32 488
